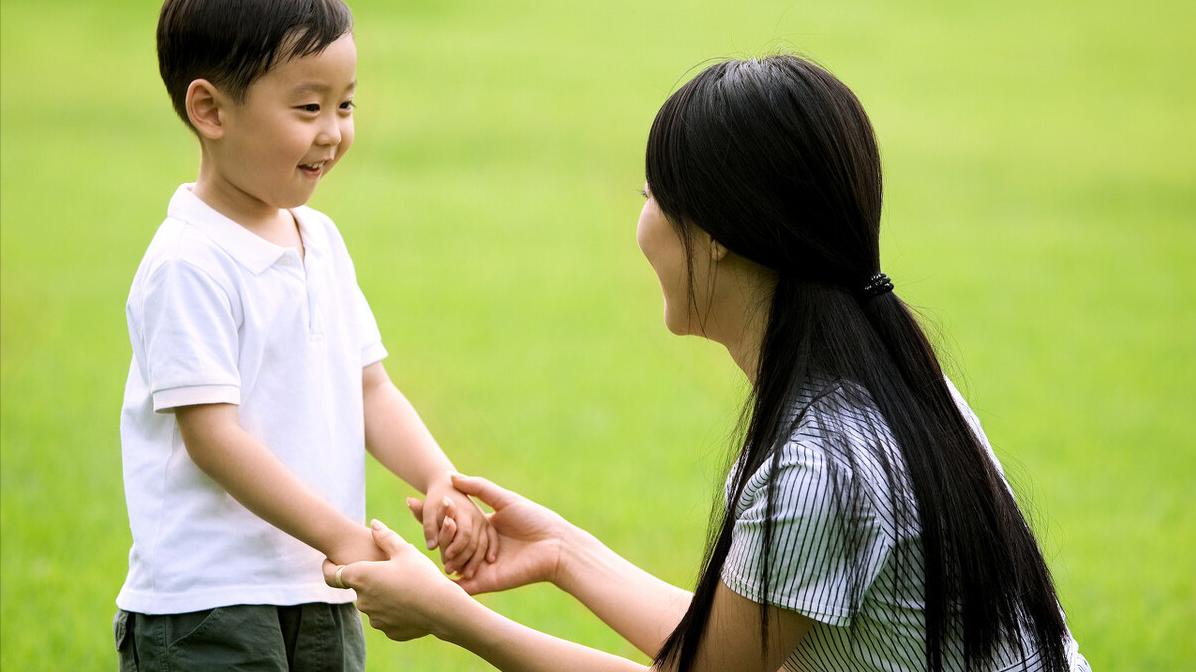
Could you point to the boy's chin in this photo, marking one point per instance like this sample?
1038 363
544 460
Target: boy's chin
288 201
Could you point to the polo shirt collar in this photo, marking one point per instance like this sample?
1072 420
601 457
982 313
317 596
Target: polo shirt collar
249 249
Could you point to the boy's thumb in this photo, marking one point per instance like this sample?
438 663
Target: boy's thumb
416 506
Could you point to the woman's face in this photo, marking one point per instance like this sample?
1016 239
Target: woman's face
661 244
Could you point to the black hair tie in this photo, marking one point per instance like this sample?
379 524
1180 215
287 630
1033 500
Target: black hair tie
877 285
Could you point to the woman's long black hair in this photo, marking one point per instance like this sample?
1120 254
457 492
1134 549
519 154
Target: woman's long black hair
776 160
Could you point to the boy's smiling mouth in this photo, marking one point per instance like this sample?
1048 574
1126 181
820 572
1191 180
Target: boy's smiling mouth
313 169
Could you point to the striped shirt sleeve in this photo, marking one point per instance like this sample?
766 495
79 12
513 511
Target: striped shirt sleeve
813 565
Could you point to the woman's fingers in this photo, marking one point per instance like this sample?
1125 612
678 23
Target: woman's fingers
494 496
492 549
330 568
386 539
337 576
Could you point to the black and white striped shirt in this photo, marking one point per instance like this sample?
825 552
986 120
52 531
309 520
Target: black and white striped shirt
858 577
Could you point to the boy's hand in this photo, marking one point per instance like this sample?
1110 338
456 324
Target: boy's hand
453 523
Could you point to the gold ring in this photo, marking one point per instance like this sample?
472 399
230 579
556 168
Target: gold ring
337 579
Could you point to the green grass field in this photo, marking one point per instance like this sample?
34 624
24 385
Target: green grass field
1040 200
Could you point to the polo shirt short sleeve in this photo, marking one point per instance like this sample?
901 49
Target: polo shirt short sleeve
372 350
190 335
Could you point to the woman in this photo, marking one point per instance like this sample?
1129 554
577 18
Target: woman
867 524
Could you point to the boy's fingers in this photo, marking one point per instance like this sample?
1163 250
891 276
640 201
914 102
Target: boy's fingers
478 557
433 519
475 551
461 547
484 490
416 506
428 518
447 532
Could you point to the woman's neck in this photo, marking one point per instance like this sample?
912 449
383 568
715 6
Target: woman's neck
739 314
744 348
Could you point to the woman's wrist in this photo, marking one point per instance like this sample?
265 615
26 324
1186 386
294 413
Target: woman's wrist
465 621
579 551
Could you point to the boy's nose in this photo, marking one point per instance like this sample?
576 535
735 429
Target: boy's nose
329 135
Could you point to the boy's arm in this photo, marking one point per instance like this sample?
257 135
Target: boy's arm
398 438
257 479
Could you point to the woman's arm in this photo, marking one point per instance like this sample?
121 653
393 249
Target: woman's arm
508 645
407 597
732 641
639 606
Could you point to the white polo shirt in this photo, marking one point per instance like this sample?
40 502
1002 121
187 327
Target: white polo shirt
219 315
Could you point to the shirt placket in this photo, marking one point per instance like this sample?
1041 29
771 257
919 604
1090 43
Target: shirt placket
310 266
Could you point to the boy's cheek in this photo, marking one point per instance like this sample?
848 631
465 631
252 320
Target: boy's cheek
348 135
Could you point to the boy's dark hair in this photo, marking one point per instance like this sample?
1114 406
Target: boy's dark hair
231 43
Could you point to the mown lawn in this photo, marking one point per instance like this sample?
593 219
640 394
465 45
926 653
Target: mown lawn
1040 198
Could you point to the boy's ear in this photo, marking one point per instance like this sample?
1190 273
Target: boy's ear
204 109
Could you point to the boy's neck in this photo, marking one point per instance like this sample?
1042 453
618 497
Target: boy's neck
274 224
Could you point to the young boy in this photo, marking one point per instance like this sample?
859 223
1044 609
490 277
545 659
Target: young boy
256 380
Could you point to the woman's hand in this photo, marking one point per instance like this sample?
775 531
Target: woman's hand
406 596
530 538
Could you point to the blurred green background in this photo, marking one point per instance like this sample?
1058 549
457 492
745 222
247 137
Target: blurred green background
1040 196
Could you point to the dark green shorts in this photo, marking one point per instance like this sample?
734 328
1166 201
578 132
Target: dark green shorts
314 637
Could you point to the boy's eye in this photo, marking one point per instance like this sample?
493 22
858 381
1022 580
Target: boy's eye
348 105
310 107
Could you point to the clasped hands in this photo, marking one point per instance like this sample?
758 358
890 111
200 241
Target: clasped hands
407 596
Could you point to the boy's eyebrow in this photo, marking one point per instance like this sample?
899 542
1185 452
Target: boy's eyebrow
319 87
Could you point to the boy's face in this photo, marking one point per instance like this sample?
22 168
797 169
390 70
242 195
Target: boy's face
294 125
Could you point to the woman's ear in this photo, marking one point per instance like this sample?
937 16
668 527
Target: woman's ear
204 109
718 251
